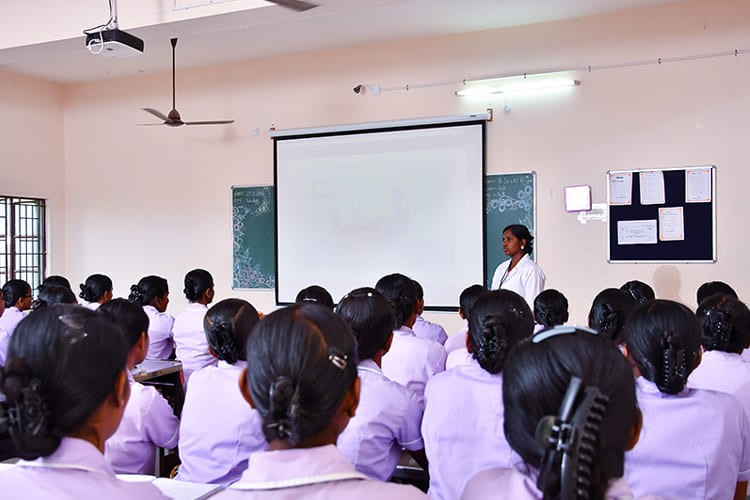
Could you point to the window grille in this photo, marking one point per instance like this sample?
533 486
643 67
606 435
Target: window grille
23 245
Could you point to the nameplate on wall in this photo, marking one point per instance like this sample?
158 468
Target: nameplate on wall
253 252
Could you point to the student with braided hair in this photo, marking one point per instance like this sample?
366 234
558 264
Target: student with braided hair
301 377
463 419
610 311
725 327
65 387
411 360
550 309
214 401
570 413
695 443
189 338
152 294
96 290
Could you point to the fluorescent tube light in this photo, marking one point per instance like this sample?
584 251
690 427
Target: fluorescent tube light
507 85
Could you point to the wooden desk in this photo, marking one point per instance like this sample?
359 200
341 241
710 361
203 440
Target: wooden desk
153 368
409 472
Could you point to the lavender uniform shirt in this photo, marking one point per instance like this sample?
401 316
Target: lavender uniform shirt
462 428
4 340
458 340
724 372
429 330
411 361
148 422
10 319
190 341
388 419
75 471
219 430
159 333
520 484
320 473
693 445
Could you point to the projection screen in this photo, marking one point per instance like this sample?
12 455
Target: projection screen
353 206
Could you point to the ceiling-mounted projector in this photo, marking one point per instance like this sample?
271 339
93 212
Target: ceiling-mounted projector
114 43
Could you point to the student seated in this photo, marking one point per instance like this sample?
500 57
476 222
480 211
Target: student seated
218 431
66 387
190 343
575 380
711 288
462 425
725 328
609 313
388 416
152 293
455 346
315 294
301 376
148 421
423 328
96 290
550 309
695 443
411 360
17 298
51 295
639 290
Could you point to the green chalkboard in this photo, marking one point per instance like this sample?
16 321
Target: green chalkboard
508 199
253 252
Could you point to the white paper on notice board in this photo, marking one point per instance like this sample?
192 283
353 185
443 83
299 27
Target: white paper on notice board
652 187
671 224
636 232
698 185
621 189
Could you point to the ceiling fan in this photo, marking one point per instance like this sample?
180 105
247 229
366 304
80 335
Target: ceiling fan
173 119
298 5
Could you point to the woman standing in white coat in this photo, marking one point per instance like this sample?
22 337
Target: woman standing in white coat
519 273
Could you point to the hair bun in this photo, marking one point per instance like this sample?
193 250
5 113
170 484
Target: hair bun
285 409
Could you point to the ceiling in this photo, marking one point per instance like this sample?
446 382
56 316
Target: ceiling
275 30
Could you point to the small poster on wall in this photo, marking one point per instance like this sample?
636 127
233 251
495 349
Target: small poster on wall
636 232
621 189
698 185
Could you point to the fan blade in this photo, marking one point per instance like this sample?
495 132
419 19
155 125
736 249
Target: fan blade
210 122
298 5
148 124
156 113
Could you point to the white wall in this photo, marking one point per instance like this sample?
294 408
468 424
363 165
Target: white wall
144 200
32 151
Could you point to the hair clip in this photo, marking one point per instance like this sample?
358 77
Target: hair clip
560 330
338 359
310 299
75 323
282 429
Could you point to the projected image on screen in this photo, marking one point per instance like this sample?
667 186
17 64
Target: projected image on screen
354 207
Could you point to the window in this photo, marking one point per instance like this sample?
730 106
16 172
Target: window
23 246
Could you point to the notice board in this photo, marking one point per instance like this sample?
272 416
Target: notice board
662 215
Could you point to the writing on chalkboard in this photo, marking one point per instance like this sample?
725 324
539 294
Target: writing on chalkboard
508 199
253 253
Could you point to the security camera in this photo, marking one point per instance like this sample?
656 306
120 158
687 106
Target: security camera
359 89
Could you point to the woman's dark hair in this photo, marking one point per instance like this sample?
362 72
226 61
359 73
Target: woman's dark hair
401 292
56 280
710 288
51 295
639 290
550 308
468 297
227 325
725 324
62 363
13 290
535 382
609 312
95 287
522 233
315 294
499 320
370 317
148 289
197 282
301 361
663 339
129 316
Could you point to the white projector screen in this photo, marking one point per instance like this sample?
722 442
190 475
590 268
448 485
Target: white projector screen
354 206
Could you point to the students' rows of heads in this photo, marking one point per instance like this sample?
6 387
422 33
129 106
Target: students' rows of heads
66 372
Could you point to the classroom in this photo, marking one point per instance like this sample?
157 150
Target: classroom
130 201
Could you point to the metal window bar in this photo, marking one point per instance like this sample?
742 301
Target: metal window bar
23 239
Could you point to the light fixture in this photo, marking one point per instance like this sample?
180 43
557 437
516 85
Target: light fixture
521 83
